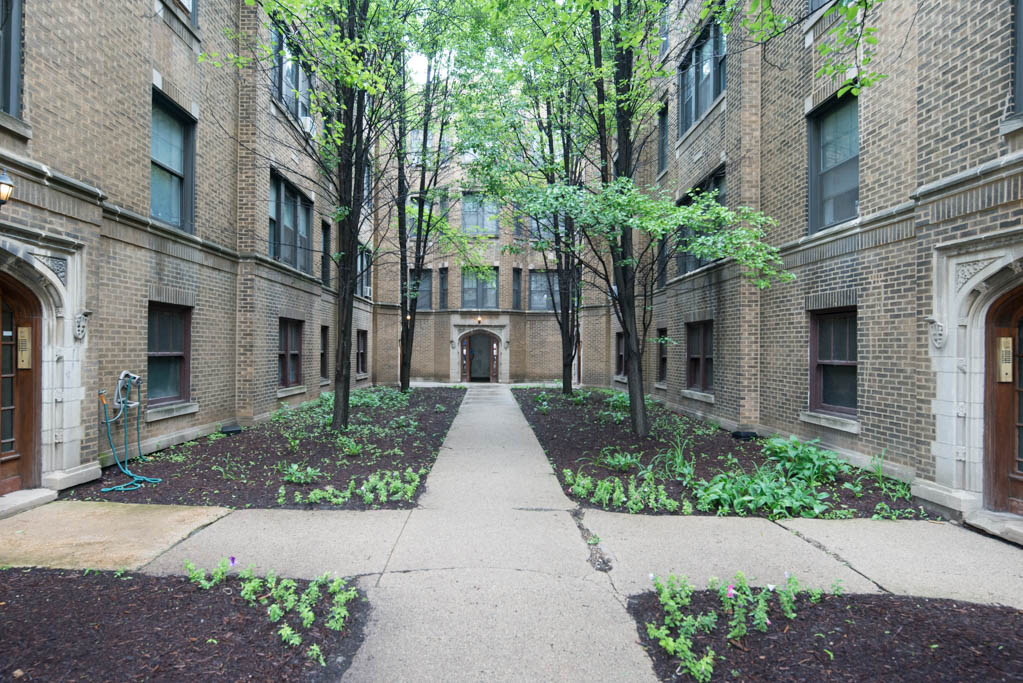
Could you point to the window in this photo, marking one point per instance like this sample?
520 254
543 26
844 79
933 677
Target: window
1018 76
367 182
363 276
424 299
479 215
290 81
172 153
442 288
478 292
619 353
169 353
289 352
662 354
191 8
543 290
662 261
833 361
517 289
834 164
10 59
326 250
684 261
662 138
545 229
361 344
701 77
700 354
662 30
290 219
415 147
324 345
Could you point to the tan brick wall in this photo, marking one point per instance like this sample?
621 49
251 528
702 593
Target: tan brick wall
938 113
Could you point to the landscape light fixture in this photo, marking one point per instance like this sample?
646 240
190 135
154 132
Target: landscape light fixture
6 187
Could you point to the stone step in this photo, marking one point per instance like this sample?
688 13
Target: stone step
1001 524
25 499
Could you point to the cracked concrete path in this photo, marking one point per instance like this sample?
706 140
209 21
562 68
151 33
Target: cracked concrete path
490 576
490 579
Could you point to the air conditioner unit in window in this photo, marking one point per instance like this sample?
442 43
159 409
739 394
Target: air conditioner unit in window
307 124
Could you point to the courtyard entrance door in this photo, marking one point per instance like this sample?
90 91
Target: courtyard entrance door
1003 485
19 373
479 357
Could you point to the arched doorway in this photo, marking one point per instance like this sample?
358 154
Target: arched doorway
478 352
20 357
1003 485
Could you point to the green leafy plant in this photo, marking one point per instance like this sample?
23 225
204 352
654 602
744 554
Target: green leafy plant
295 473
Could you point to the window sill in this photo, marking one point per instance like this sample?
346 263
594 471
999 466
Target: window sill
811 22
698 395
324 381
284 392
842 424
291 118
180 229
663 386
361 376
184 19
718 102
165 412
621 379
15 126
1011 124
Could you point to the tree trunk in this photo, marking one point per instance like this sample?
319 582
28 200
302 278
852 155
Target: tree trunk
637 405
405 344
634 368
343 367
567 357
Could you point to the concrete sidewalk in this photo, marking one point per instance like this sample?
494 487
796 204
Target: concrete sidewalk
490 576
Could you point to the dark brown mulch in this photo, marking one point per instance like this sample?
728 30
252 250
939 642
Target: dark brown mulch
245 469
869 637
63 625
571 434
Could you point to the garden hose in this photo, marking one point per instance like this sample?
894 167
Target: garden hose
137 480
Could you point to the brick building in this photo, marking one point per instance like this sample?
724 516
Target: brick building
469 328
160 223
898 212
137 234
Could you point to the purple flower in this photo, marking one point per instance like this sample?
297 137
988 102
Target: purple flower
231 561
768 622
731 591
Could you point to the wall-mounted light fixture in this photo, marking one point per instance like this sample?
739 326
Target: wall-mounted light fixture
6 187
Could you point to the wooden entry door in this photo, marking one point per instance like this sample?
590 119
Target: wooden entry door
1003 485
19 372
478 357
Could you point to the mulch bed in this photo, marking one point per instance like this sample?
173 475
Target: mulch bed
67 626
571 433
246 469
869 637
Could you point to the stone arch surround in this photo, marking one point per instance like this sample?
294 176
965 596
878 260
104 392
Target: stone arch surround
53 270
497 326
969 276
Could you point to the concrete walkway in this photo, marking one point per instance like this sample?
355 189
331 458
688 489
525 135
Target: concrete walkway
490 576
